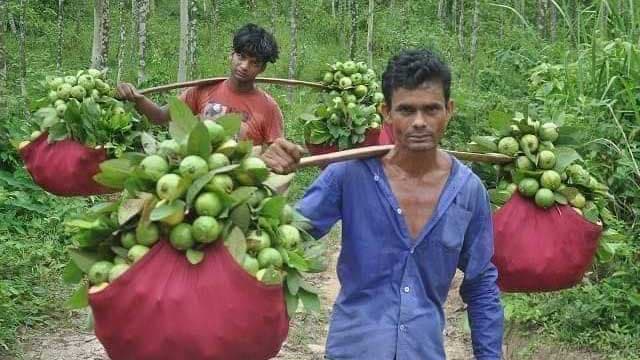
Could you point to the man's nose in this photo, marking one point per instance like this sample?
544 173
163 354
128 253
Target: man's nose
420 120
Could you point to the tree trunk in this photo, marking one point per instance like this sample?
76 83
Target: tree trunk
123 33
293 60
214 21
12 24
274 16
333 8
352 33
541 17
60 44
474 33
370 34
461 26
553 31
101 24
252 8
193 39
454 14
143 11
135 19
441 9
23 56
184 40
3 54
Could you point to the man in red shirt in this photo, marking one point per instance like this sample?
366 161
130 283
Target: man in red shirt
253 48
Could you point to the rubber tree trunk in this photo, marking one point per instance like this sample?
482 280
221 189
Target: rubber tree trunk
370 34
60 29
101 25
293 60
143 12
183 53
122 10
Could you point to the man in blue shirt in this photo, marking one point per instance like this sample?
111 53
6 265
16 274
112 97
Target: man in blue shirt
409 219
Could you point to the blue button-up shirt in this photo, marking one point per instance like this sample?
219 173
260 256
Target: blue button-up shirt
390 305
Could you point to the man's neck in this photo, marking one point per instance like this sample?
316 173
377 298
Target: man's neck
414 163
241 87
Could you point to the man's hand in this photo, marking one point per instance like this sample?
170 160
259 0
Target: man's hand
126 91
282 156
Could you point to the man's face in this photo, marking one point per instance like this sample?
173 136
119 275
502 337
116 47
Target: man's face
419 116
245 68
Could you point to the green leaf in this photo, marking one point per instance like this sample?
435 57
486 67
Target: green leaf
129 209
489 143
568 192
564 157
182 120
48 117
149 143
103 208
292 303
120 251
200 183
241 217
80 298
293 281
84 224
273 207
499 121
499 197
236 243
83 259
199 142
297 262
310 301
242 194
560 199
231 123
591 213
308 117
195 256
72 273
166 210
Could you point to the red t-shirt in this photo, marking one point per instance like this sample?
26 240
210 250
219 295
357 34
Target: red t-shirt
261 116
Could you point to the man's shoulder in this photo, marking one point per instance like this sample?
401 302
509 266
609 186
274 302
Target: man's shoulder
266 98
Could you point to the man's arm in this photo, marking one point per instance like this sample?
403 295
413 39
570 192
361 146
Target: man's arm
479 289
155 113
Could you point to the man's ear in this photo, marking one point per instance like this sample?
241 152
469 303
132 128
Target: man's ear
385 110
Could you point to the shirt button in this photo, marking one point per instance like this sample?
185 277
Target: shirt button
399 211
376 178
403 328
412 251
406 289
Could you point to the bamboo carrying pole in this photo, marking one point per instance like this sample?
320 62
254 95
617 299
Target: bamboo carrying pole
214 80
379 150
325 159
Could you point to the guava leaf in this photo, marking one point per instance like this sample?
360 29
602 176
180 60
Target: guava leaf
293 281
103 208
560 199
297 262
84 259
243 149
236 243
241 217
195 256
499 197
84 224
120 251
182 120
489 143
166 210
292 303
499 121
80 298
568 192
310 301
564 157
307 117
242 194
129 209
590 212
72 273
230 123
273 207
200 183
199 142
149 143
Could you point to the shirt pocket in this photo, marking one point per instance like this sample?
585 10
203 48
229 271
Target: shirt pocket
453 227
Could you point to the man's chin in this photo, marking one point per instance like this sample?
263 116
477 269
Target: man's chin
421 147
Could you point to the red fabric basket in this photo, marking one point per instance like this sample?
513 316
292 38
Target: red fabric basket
165 308
64 168
538 250
371 139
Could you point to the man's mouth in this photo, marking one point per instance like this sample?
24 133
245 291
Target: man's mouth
420 137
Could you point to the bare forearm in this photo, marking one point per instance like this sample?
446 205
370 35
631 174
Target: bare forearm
155 113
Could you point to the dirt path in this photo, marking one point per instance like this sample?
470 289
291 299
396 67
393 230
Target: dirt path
307 335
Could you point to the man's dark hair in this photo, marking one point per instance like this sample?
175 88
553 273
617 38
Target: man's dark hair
252 40
412 68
